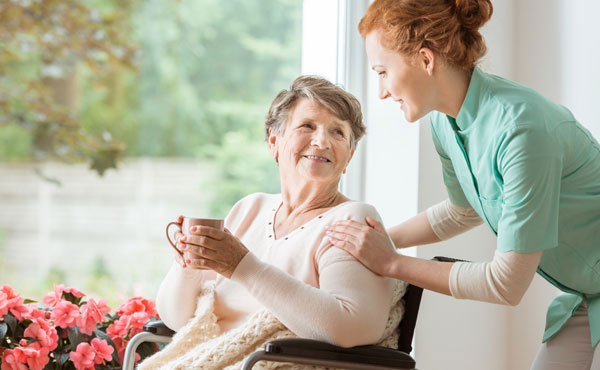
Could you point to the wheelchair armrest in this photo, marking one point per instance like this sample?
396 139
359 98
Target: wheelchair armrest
159 328
448 259
371 355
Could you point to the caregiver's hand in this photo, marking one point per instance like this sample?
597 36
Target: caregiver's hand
370 243
209 248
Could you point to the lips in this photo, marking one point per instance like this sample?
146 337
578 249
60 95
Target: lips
317 158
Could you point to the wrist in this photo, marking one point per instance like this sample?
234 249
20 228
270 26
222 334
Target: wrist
392 267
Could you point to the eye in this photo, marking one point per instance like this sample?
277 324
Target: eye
381 73
339 132
305 125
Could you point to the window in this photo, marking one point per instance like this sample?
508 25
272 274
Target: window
183 87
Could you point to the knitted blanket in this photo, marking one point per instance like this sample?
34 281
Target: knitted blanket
199 344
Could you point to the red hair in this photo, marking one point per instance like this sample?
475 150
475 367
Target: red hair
450 28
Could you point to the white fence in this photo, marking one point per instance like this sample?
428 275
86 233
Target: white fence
119 218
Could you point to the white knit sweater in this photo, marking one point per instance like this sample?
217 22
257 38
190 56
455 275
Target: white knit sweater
199 345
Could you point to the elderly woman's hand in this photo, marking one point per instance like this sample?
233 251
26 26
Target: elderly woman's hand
370 244
209 248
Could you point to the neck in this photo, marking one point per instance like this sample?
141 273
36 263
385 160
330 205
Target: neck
452 84
307 199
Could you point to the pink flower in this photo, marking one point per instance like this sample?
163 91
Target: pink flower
137 304
139 319
103 350
83 357
3 303
12 361
34 313
119 327
9 301
92 314
76 293
65 314
44 331
53 298
35 356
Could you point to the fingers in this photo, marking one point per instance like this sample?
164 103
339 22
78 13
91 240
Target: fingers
207 231
190 241
374 224
203 264
353 238
348 226
198 251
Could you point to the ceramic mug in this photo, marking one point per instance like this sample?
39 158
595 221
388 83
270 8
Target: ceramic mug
188 222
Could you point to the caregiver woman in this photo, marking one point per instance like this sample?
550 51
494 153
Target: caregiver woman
510 157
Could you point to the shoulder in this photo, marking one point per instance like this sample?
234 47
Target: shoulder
354 210
518 105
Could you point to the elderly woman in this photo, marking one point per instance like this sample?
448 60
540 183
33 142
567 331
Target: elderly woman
273 253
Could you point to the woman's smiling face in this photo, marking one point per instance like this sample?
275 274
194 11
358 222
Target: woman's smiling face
407 82
314 145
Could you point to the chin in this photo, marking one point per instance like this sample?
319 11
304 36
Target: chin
411 117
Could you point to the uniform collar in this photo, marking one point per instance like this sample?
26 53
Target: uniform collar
470 107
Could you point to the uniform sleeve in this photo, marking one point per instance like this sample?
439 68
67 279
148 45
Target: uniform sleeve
455 192
530 163
448 220
503 281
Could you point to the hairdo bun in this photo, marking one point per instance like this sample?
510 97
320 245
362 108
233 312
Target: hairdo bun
472 14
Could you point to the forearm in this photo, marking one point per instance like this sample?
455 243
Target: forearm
504 280
427 274
414 231
178 293
348 309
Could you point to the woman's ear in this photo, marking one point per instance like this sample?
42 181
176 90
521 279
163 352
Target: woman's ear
349 159
273 144
426 59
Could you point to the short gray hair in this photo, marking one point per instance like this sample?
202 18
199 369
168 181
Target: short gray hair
317 89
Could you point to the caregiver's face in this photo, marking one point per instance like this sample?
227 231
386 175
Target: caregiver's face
314 146
406 82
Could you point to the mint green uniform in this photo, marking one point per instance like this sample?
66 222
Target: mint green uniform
532 173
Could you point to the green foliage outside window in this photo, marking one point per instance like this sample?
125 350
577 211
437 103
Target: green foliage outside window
97 79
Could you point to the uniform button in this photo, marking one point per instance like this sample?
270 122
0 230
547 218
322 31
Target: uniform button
270 223
301 227
320 217
270 236
286 238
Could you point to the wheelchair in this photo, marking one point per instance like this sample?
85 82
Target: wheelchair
312 352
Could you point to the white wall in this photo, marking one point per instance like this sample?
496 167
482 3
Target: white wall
550 45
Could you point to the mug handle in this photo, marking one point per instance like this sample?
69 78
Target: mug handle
169 238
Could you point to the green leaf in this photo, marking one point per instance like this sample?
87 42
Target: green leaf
3 330
61 358
146 349
104 160
12 322
27 301
115 354
71 298
75 336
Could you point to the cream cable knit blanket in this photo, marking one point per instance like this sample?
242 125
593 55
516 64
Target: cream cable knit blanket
198 344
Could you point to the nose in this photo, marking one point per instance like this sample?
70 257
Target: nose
320 138
383 92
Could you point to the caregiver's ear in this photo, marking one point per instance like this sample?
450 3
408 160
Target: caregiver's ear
426 58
